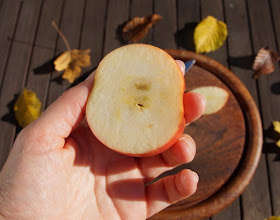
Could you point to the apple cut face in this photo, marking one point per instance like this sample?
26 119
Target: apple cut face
136 104
216 98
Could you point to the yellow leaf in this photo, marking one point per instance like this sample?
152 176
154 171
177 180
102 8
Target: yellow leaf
27 108
273 218
81 57
209 35
278 145
62 62
71 61
71 73
276 125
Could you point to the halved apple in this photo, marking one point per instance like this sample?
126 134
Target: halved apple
136 104
216 98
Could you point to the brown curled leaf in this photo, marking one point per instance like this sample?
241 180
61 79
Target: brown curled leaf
265 62
137 28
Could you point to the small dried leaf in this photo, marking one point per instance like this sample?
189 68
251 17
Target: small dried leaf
273 218
62 62
209 35
265 62
276 125
137 28
27 108
72 67
278 145
71 73
81 57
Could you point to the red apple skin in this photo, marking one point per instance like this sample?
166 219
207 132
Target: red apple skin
176 136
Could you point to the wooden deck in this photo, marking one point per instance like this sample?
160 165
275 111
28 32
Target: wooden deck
28 41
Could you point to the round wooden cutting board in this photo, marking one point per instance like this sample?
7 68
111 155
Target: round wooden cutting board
228 142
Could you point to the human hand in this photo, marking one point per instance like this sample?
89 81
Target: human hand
57 169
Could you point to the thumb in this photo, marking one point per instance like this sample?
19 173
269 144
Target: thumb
61 117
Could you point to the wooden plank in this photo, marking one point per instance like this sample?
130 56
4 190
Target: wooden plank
188 15
231 212
71 22
16 71
117 15
39 74
274 168
165 29
9 12
240 60
215 9
140 8
263 35
92 35
269 35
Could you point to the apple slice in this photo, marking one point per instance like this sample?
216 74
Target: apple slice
136 104
216 98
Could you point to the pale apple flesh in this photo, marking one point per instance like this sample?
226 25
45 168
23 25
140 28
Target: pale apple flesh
136 104
216 98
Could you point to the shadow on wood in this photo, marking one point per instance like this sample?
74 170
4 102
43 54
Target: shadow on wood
275 88
45 68
10 116
119 34
58 79
184 37
245 62
271 134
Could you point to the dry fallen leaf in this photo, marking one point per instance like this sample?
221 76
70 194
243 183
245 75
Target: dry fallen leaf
276 125
137 28
265 62
27 108
62 62
209 35
273 218
71 61
216 98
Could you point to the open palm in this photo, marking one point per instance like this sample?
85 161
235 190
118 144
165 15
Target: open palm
58 170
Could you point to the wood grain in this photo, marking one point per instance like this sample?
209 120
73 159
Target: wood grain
17 67
165 29
274 167
7 29
262 32
117 15
70 27
240 60
219 138
252 149
141 8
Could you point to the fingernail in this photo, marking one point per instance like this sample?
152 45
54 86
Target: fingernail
189 143
195 177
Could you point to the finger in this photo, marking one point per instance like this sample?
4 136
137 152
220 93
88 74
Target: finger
181 65
194 106
183 151
65 113
170 189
